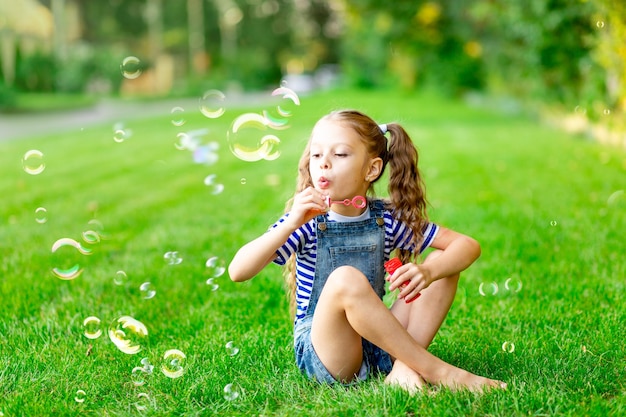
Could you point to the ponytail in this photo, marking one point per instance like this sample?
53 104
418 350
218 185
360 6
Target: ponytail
406 186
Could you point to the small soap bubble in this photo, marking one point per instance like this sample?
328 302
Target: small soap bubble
248 141
231 348
580 110
120 278
41 215
214 187
243 181
177 116
172 258
553 223
32 162
215 267
128 334
508 347
230 392
513 284
212 284
143 401
145 362
80 397
600 24
138 375
211 104
91 237
147 290
490 288
119 135
97 226
173 365
131 67
91 326
606 112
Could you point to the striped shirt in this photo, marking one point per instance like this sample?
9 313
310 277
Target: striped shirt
303 243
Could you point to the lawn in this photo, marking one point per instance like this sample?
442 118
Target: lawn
542 309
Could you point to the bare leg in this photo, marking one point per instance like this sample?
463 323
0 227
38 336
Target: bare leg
348 309
422 319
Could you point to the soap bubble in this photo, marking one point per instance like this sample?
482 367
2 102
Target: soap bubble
214 187
147 290
212 284
143 401
32 162
490 288
80 397
75 270
513 284
92 329
131 67
231 348
41 215
128 334
508 347
138 375
91 237
120 278
553 223
215 267
286 102
230 392
247 140
172 258
173 363
147 365
177 116
211 104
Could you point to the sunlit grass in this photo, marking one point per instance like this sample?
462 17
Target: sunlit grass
546 208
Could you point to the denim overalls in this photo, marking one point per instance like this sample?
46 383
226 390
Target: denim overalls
359 244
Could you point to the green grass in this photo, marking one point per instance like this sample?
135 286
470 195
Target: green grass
539 202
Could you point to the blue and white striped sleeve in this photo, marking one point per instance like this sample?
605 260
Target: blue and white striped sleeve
292 245
403 236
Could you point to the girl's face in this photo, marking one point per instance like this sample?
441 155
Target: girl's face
339 163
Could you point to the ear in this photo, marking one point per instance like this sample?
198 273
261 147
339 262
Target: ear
375 168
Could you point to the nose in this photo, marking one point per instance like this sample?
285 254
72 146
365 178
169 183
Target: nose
324 162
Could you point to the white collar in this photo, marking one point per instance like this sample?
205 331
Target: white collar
336 217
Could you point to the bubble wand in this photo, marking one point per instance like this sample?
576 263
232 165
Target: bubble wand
357 202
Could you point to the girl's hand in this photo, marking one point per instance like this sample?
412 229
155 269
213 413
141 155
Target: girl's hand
411 279
306 205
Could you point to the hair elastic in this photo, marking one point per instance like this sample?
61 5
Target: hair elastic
383 128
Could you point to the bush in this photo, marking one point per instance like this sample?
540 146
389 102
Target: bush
8 97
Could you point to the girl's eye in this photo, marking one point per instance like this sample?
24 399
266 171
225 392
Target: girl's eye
341 155
315 155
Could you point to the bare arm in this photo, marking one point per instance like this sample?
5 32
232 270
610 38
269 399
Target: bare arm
458 252
251 258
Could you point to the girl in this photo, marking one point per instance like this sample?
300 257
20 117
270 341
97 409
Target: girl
343 331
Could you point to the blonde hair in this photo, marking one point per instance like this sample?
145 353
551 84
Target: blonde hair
407 197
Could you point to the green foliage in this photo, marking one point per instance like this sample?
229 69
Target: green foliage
546 208
8 97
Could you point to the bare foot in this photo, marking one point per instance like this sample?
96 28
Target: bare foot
406 378
460 379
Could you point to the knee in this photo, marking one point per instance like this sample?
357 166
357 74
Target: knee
347 280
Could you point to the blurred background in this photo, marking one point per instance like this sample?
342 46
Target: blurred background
564 55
